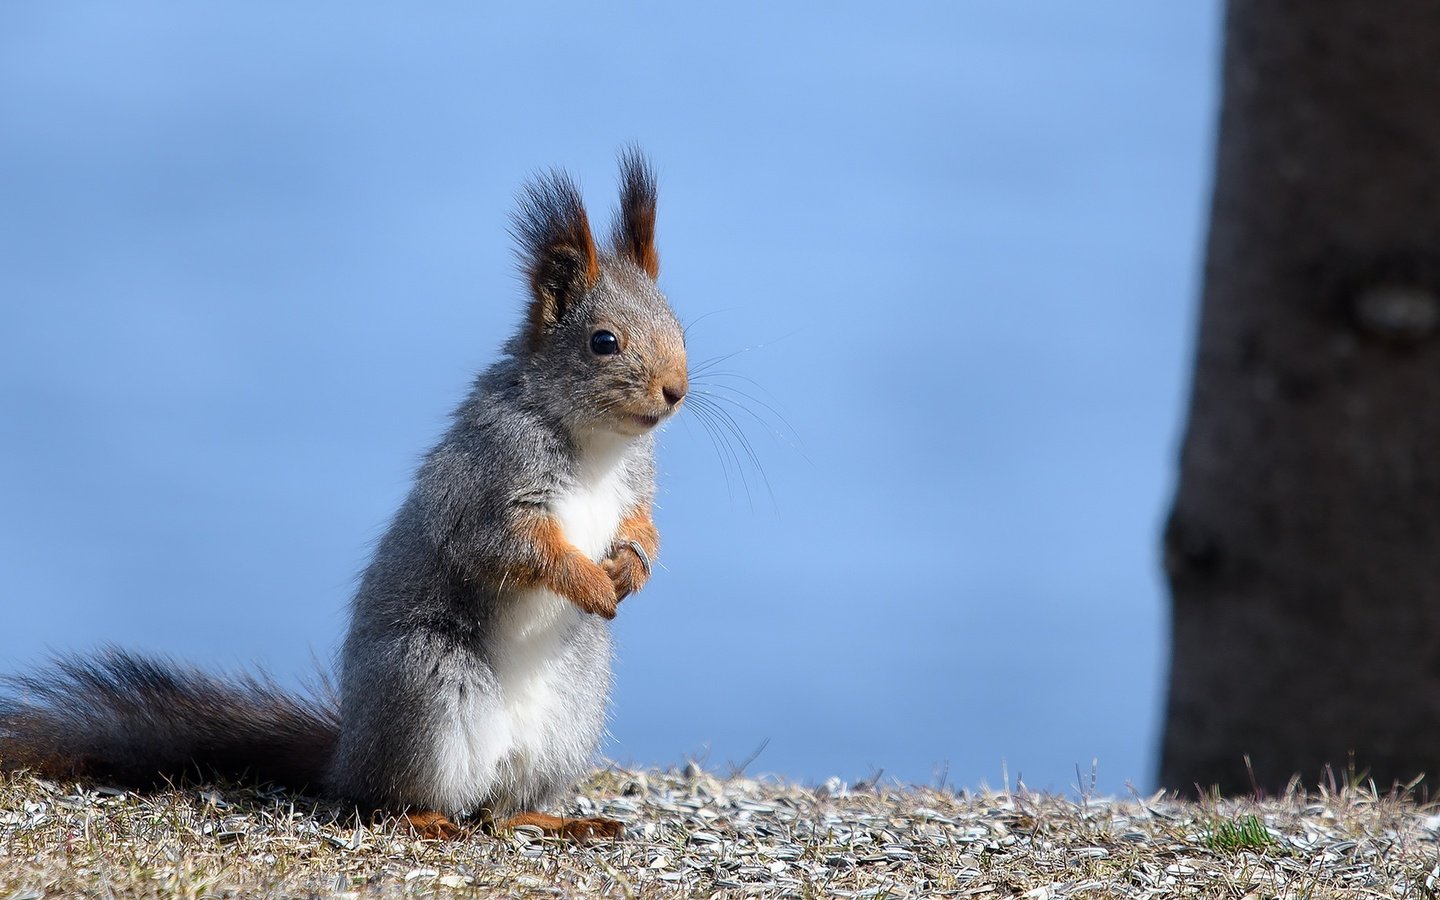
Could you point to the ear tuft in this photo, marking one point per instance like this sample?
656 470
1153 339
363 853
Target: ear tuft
556 248
633 236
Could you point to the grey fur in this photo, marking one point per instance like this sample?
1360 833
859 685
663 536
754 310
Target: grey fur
423 625
434 622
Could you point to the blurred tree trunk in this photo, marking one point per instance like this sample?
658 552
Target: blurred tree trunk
1303 549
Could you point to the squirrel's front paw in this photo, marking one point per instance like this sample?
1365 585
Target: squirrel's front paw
628 573
628 563
587 585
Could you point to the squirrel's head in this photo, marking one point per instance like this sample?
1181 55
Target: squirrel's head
599 337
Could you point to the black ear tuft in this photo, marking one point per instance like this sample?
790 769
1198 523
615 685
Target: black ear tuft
556 248
633 236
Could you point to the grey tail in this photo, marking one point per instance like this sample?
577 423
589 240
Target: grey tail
140 721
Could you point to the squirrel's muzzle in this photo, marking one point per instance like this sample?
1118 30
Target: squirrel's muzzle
673 389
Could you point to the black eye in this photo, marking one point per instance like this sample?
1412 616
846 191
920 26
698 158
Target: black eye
604 343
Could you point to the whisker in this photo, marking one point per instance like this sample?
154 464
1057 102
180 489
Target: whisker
787 433
721 441
728 422
685 329
721 446
713 409
705 365
749 448
737 376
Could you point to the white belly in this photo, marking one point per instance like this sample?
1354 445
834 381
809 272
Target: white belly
590 513
529 666
501 741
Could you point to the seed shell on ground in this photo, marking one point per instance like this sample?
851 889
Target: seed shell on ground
690 833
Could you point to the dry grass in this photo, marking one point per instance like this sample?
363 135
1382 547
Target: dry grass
691 834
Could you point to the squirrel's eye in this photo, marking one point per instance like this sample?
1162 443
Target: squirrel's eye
604 343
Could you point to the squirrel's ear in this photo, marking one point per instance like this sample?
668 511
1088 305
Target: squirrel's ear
556 249
634 233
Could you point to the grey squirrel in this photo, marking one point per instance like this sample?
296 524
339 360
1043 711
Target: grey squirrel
476 671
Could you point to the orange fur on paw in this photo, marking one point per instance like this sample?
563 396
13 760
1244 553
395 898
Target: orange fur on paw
433 826
579 830
626 572
639 526
569 573
623 565
585 584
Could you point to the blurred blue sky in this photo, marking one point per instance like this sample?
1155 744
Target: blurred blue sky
251 255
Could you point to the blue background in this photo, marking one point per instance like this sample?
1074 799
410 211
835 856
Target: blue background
251 255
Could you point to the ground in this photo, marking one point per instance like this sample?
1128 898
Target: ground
693 834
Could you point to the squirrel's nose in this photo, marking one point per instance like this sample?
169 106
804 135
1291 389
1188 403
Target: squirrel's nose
674 390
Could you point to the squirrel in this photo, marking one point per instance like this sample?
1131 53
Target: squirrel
475 674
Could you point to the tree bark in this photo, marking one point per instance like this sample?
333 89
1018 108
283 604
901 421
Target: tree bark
1303 549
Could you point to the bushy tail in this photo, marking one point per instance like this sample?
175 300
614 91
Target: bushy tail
141 721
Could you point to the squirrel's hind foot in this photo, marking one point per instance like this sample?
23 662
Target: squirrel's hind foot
578 830
433 826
